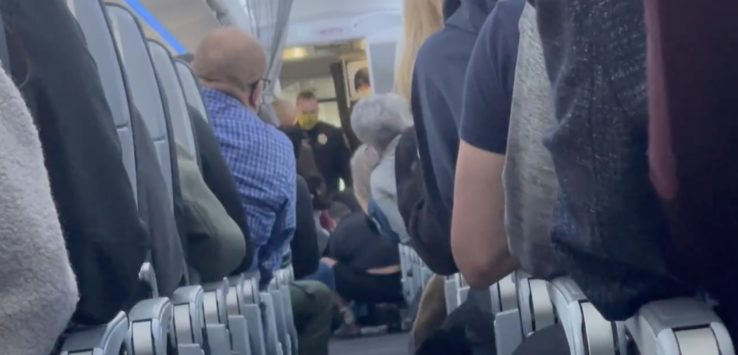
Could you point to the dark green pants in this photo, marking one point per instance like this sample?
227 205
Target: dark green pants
312 306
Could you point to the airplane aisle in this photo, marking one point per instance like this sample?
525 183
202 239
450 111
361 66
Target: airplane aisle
395 344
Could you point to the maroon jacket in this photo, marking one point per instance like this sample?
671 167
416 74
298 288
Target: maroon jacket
693 132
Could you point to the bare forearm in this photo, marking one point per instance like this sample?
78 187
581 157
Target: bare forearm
478 238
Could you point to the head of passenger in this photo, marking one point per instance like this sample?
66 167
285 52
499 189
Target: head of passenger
362 82
336 213
427 18
234 62
379 119
362 164
308 110
286 113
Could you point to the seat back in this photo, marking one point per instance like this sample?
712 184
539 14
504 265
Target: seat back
147 95
106 241
174 97
191 87
158 186
92 19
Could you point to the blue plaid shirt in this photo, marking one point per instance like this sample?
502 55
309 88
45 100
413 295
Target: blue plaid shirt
262 162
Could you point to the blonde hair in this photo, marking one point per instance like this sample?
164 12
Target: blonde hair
422 19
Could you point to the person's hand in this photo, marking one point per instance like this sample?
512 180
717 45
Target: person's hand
329 261
387 270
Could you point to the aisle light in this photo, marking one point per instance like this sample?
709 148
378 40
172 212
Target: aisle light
294 53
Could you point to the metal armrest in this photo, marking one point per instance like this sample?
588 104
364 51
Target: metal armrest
406 269
189 317
236 308
504 294
250 288
281 320
214 302
151 323
681 326
215 314
462 289
244 310
290 318
586 330
450 290
106 339
536 308
148 275
270 325
504 299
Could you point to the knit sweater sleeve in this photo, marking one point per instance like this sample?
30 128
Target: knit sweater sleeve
38 292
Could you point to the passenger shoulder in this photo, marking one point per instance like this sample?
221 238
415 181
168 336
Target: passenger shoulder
430 48
443 47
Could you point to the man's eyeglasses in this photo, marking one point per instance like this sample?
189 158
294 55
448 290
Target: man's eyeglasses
267 83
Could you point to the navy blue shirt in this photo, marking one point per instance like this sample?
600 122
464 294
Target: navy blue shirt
490 78
437 97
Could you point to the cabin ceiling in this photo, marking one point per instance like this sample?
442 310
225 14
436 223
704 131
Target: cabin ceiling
190 20
310 10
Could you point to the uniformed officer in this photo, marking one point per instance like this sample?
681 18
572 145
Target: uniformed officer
331 150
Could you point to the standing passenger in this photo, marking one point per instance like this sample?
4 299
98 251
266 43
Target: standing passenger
435 92
329 145
231 65
438 85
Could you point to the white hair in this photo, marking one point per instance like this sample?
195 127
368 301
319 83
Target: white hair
378 119
362 164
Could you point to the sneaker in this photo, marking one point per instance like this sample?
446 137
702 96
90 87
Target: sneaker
347 331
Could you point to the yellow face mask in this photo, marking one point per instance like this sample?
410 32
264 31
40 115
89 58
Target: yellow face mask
308 121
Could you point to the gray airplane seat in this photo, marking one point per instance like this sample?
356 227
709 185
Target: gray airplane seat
153 327
188 301
280 290
408 273
536 309
171 78
191 88
271 330
174 96
451 293
253 311
682 326
111 338
280 311
218 328
587 332
507 324
108 339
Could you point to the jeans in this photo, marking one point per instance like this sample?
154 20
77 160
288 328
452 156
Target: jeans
325 275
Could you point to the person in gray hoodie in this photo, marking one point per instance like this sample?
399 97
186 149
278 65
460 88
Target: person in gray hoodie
38 290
